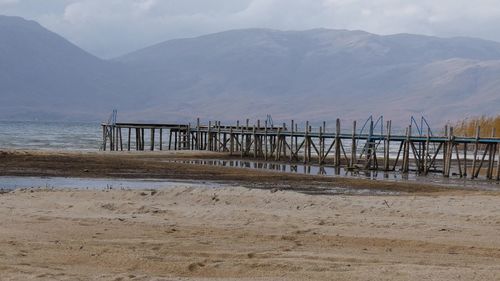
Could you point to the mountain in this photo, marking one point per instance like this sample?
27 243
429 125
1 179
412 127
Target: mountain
315 75
44 76
319 74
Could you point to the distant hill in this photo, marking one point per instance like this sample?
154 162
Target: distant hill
43 76
312 75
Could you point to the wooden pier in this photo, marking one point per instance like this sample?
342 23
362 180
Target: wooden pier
374 147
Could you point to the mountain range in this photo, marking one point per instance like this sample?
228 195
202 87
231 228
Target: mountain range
317 74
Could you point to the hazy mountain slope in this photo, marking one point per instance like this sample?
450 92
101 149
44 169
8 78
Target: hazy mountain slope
322 73
42 75
312 75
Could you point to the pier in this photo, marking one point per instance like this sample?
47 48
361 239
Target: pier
374 146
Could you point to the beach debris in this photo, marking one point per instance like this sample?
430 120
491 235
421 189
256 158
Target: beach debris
386 203
215 197
194 266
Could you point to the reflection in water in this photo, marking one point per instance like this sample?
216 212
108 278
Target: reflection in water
344 172
299 168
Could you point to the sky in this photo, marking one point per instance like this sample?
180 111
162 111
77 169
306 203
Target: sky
109 28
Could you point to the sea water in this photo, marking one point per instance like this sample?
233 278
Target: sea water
50 135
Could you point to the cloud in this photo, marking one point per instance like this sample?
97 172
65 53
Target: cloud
112 27
8 2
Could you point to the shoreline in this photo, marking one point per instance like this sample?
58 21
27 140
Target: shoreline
160 166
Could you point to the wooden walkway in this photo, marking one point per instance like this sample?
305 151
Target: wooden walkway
421 152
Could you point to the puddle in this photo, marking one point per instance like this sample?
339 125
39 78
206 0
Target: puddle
325 170
10 183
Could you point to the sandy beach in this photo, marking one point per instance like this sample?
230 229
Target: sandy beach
239 233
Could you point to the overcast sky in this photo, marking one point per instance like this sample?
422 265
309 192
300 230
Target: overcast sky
108 28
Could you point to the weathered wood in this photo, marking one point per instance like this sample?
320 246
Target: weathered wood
498 163
353 145
288 143
129 136
152 140
337 143
161 139
406 151
465 160
307 146
387 145
449 153
142 138
427 148
458 162
476 147
291 139
491 157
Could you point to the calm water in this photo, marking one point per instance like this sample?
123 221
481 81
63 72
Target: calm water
50 135
329 171
10 183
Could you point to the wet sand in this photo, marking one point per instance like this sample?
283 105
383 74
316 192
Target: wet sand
159 165
238 233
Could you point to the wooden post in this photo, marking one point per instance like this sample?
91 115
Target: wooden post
306 142
198 135
498 163
231 141
449 153
476 147
320 156
152 139
309 150
426 151
283 140
161 139
219 142
243 147
265 141
170 140
278 145
291 141
176 139
369 147
353 145
128 140
209 136
254 142
491 157
387 146
112 138
142 138
406 151
465 160
337 143
104 137
121 140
